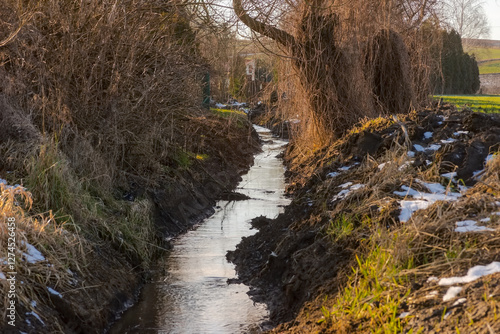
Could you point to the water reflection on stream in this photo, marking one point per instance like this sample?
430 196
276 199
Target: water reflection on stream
190 293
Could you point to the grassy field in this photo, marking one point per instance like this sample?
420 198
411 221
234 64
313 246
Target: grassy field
483 54
490 67
481 103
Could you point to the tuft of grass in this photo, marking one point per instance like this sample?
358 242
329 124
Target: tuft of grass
341 227
374 291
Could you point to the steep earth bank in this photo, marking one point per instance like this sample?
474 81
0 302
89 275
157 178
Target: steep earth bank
76 271
379 220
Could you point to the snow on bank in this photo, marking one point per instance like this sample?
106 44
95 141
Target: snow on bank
54 292
346 192
452 293
33 255
470 226
473 274
422 200
7 186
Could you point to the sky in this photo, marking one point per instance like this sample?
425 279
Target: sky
492 9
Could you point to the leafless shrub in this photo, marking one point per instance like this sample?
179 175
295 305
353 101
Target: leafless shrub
117 74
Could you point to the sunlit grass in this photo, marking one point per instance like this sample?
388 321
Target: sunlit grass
223 112
480 103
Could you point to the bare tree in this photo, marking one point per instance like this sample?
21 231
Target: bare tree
467 17
351 57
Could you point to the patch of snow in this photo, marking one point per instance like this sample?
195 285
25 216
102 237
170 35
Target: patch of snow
423 200
428 162
434 188
440 123
382 165
343 193
490 157
2 275
404 315
459 301
458 133
426 196
462 188
432 279
344 168
409 207
58 294
33 303
357 186
432 294
470 226
7 186
418 148
447 315
332 174
472 274
434 147
428 135
448 141
452 293
477 173
406 164
410 154
485 220
450 175
36 316
33 255
220 105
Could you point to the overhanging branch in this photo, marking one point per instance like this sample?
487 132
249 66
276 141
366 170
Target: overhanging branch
274 33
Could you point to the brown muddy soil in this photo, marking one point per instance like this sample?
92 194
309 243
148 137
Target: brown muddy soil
292 265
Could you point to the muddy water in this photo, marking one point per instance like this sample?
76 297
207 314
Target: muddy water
190 293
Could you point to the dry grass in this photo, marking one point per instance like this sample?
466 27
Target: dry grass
61 249
117 75
392 257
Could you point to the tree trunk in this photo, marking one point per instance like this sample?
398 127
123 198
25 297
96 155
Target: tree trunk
342 88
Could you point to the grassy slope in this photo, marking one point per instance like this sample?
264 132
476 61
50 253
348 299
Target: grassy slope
483 54
485 103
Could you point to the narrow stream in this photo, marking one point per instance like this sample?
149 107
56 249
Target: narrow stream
190 293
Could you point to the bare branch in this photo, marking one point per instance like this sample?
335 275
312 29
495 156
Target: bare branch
274 33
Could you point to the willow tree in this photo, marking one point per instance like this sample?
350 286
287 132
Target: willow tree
351 57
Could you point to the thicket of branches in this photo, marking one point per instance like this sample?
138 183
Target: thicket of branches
351 59
111 75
